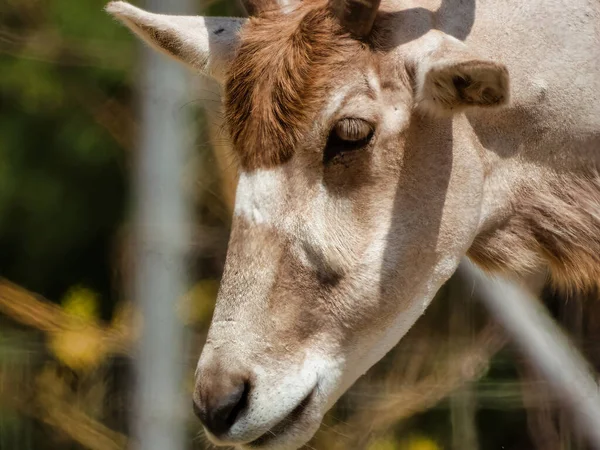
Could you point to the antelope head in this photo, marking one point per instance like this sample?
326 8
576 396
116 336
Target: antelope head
359 191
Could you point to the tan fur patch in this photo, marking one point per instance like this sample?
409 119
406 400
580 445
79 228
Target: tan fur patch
277 82
557 225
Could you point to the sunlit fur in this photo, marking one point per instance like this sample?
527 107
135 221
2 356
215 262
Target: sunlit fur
277 82
556 225
486 130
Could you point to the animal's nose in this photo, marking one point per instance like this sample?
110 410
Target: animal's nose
219 399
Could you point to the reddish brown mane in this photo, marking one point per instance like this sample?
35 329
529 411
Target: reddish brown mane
276 82
557 224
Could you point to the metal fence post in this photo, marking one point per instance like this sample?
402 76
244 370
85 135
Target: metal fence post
546 346
161 238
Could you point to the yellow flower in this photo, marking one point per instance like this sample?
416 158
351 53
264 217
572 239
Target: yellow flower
411 443
420 443
80 346
82 303
384 444
82 350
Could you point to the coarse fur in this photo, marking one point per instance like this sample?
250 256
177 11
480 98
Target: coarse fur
276 84
556 225
482 139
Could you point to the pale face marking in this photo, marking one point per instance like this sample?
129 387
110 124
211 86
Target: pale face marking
258 197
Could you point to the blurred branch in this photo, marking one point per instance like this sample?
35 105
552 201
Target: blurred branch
545 345
51 48
469 365
82 429
37 312
540 411
50 407
407 394
110 114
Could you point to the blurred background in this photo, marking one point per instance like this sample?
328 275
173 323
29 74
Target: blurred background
68 127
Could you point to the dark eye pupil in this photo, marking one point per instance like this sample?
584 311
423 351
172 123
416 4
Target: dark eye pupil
337 146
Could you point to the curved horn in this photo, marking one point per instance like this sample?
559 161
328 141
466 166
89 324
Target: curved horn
356 16
255 7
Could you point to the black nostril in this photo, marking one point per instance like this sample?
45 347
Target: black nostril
220 409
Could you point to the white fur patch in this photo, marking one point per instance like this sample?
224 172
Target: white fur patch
374 83
258 197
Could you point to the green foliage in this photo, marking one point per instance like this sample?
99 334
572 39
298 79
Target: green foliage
62 176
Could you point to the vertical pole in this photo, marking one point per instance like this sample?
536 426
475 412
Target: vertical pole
463 402
161 237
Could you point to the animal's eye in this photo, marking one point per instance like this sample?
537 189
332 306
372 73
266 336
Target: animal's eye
352 129
347 135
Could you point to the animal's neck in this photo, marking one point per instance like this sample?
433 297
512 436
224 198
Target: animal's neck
552 225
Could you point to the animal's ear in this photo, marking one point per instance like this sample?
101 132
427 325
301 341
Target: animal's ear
451 78
207 44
